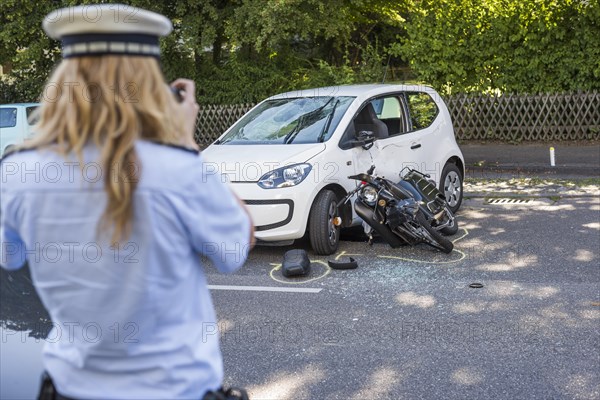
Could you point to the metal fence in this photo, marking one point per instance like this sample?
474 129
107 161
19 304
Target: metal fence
213 120
508 117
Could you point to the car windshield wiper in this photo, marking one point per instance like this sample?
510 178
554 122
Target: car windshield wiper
289 138
328 122
292 134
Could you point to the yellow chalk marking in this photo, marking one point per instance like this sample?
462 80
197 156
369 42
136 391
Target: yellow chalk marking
462 257
462 254
277 267
343 253
463 236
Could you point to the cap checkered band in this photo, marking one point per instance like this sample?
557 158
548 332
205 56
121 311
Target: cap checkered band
99 44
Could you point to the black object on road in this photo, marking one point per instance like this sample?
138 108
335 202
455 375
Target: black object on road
476 285
343 264
295 263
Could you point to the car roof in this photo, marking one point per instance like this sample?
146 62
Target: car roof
366 90
20 105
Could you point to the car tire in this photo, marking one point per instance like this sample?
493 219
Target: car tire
323 234
451 186
7 150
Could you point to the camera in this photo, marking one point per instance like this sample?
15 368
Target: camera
177 93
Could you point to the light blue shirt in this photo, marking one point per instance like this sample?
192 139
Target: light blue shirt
135 321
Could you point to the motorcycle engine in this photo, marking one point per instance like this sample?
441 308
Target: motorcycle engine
403 211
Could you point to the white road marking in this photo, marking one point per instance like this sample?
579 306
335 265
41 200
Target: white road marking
264 289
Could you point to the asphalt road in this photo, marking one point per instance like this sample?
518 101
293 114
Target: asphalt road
405 324
499 160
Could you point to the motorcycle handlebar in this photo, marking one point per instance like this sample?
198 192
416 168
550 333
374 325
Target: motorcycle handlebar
350 194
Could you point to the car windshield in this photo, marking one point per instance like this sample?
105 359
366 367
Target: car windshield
289 120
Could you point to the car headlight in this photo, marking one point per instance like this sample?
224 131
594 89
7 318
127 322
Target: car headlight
285 176
369 195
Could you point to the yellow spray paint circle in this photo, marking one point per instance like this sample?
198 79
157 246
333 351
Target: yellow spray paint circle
327 269
277 267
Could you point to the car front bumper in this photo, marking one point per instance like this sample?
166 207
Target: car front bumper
277 214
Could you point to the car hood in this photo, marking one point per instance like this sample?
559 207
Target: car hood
247 163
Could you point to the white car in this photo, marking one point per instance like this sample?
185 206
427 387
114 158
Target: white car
289 157
15 124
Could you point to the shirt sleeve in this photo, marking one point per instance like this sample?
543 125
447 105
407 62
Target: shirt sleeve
12 248
219 227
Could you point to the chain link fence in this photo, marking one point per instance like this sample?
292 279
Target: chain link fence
507 117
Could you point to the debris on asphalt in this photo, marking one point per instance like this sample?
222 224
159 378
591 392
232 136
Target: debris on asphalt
343 263
295 263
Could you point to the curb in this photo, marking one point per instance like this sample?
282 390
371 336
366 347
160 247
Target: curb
527 196
590 171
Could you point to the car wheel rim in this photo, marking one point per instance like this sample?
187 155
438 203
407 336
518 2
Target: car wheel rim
332 229
452 188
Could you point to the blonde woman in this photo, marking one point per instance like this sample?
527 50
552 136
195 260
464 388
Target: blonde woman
111 206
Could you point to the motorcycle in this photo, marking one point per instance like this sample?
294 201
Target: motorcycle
411 211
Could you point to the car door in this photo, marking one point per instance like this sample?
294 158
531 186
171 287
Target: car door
413 141
425 136
9 130
396 149
399 149
30 119
386 117
409 140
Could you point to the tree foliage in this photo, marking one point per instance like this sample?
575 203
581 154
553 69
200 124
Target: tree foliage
244 50
520 46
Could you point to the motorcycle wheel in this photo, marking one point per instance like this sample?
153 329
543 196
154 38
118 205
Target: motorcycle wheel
324 235
450 230
434 239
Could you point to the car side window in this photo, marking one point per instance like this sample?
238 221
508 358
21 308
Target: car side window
390 111
8 117
32 116
422 109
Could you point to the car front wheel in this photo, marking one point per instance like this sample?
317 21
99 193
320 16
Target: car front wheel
451 185
324 235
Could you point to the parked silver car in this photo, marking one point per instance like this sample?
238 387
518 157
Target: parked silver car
15 124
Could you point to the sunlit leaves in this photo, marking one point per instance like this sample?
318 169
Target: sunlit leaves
245 50
524 46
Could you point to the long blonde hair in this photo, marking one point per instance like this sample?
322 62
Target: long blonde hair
110 101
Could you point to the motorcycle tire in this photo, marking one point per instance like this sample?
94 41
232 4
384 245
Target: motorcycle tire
436 239
450 230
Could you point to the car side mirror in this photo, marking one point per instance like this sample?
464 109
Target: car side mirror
364 139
